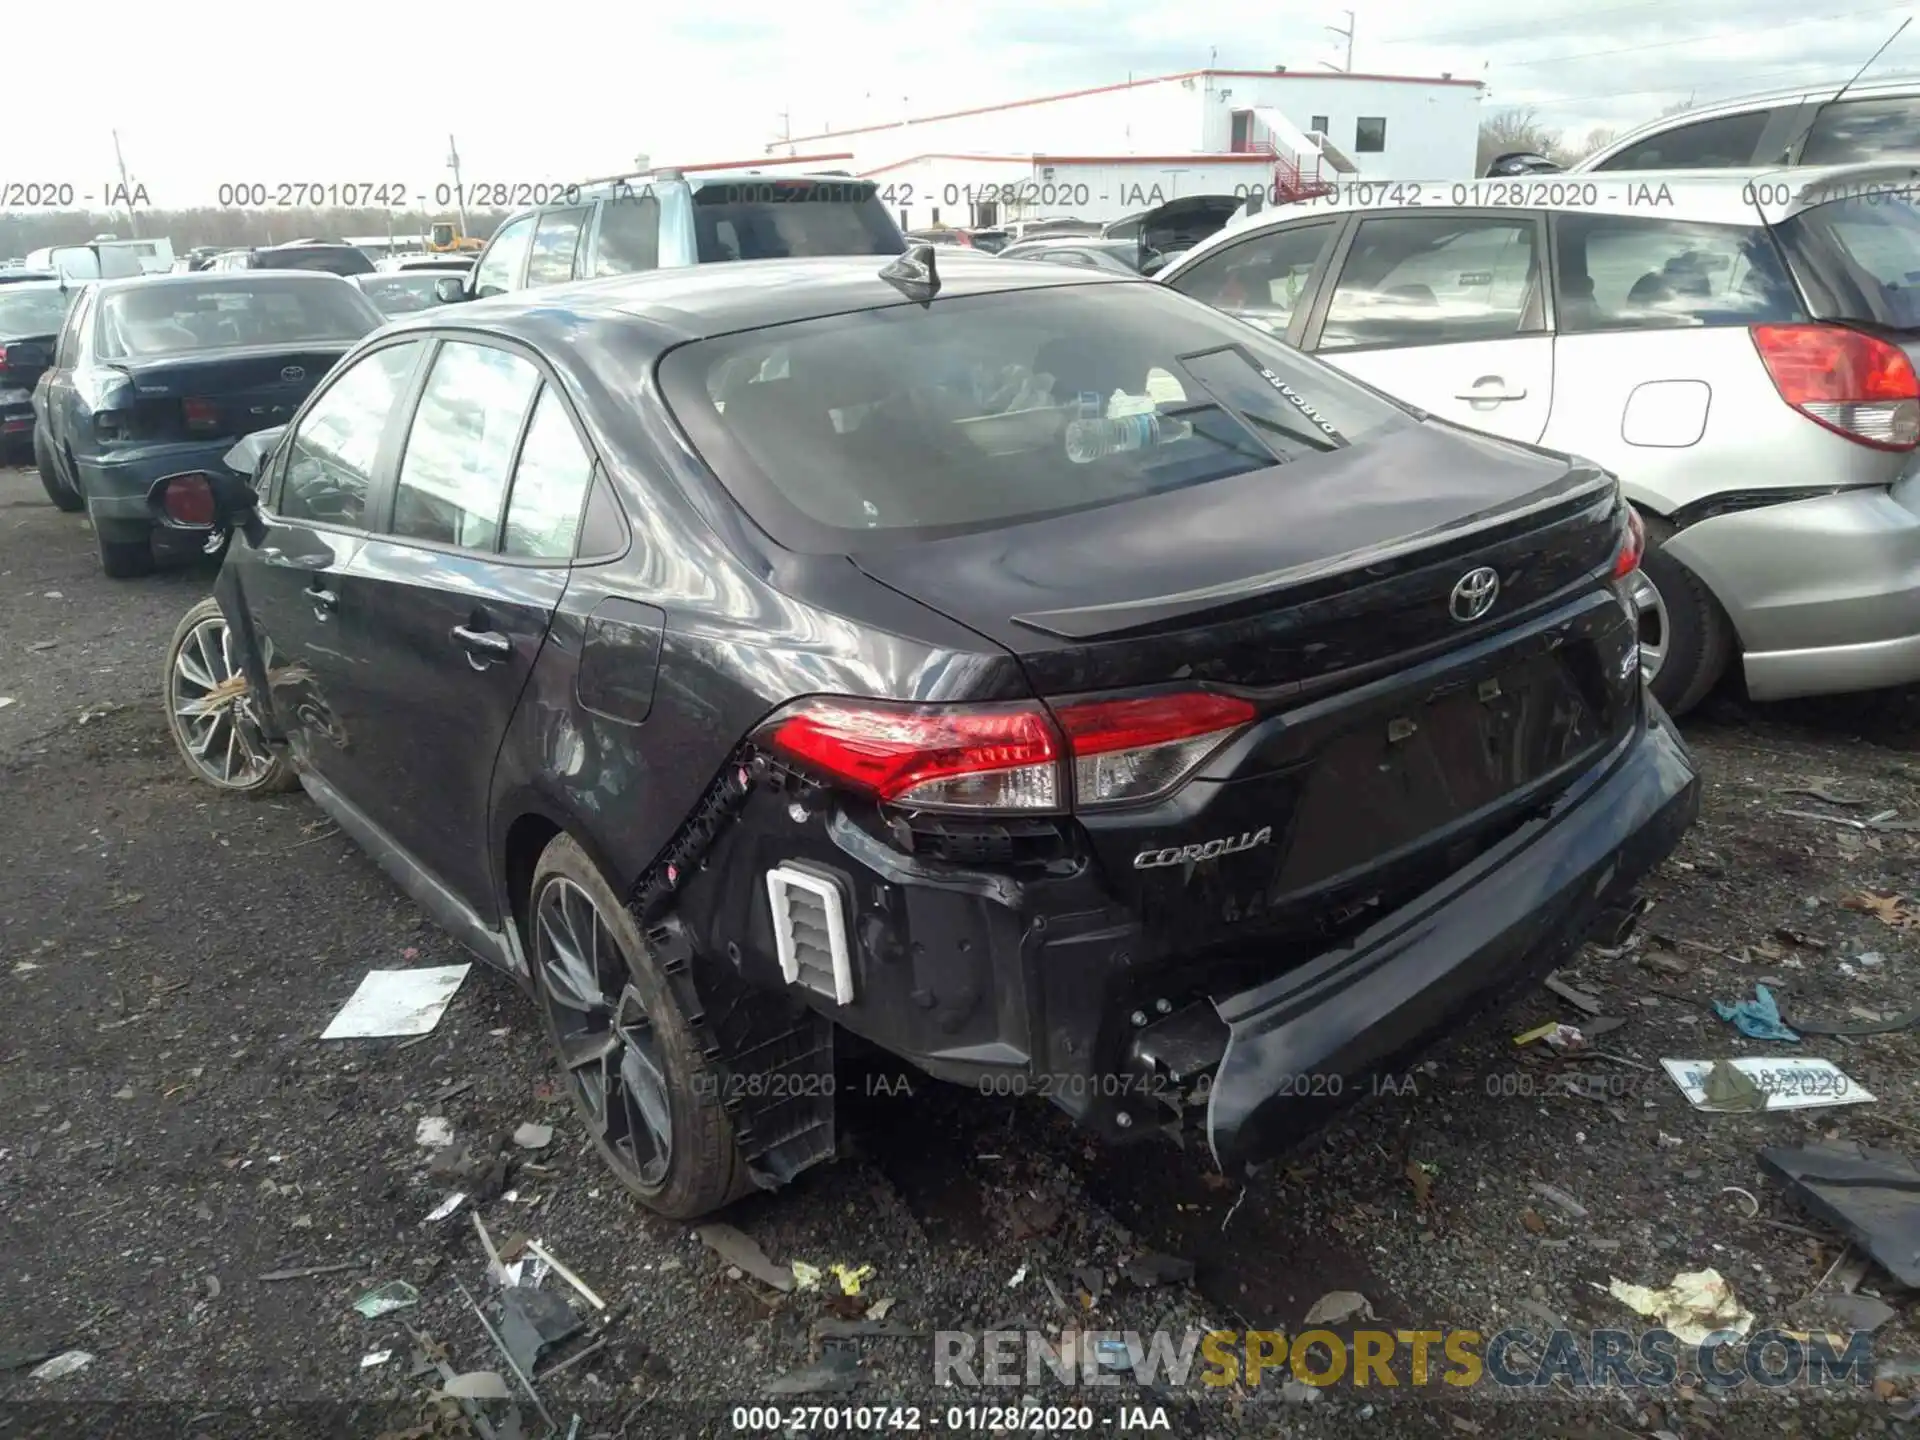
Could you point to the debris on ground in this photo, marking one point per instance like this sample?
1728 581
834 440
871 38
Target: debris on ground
805 1277
1421 1178
1579 999
446 1207
434 1131
375 1357
1894 910
68 1362
1846 1314
500 1344
479 1172
304 1272
533 1322
1871 1022
1663 962
1871 1196
385 1299
739 1249
837 1370
1764 1082
1091 1280
1338 1307
478 1385
1019 1277
1150 1267
1697 1304
1557 1196
1557 1036
850 1277
586 1293
397 1002
533 1137
1758 1018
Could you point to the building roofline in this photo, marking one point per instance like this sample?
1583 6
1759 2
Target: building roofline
1203 158
1127 85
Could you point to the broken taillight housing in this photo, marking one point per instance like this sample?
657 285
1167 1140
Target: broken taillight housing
1632 546
1854 384
1019 756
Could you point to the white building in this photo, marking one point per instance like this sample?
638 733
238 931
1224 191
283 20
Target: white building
1113 150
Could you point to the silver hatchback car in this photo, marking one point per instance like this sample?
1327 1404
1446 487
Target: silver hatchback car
1739 347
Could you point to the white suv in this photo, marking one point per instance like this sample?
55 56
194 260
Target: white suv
1738 348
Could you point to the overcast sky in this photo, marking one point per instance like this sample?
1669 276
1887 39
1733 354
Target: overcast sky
358 91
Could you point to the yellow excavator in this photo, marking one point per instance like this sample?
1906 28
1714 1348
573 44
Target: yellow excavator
444 238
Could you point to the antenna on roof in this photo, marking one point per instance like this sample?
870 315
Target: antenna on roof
914 275
1786 155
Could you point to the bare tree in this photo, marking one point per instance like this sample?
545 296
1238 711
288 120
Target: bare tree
1598 138
1507 131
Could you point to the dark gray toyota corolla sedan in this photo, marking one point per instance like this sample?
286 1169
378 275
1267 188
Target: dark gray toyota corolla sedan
1033 672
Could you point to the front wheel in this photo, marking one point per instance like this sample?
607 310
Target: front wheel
210 709
648 1097
1686 640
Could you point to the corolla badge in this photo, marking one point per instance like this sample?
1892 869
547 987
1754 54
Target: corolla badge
1211 850
293 372
1474 594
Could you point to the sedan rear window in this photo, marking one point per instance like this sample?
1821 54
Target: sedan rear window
781 219
167 319
982 411
31 312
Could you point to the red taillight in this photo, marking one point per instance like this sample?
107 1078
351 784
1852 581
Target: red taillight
1632 547
989 757
201 414
1854 384
189 500
1130 750
1008 757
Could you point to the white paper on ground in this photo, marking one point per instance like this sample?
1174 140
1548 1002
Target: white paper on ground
397 1002
1790 1082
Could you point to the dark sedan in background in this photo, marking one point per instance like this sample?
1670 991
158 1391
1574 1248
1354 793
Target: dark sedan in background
1088 252
30 314
1031 671
164 373
402 292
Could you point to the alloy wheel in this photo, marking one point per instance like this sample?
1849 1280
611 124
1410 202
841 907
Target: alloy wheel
607 1043
1655 625
213 711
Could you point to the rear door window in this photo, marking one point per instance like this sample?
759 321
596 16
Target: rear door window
1856 130
330 458
908 422
628 240
549 485
778 219
1263 278
555 239
1618 272
453 479
1434 280
1718 144
499 269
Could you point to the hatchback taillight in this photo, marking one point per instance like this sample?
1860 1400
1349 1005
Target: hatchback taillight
1633 545
1854 384
1019 756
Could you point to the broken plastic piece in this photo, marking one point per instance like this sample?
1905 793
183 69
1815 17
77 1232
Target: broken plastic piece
397 1002
533 1248
738 1248
1871 1196
805 1276
533 1137
478 1385
533 1322
433 1131
66 1363
446 1207
385 1299
837 1370
375 1357
1152 1268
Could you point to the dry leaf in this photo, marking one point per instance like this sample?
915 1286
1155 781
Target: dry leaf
1422 1183
1887 909
1531 1219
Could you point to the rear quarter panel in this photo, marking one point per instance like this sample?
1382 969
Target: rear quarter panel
1750 439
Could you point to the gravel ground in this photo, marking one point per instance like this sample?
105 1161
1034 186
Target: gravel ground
172 1129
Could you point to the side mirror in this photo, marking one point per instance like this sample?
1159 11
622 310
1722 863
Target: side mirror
196 500
450 289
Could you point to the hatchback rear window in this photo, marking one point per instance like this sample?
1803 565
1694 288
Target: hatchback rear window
168 319
982 411
781 219
334 259
1861 256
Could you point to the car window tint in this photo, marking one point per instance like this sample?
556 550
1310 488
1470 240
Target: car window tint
1433 281
454 474
68 346
629 237
1260 279
989 409
1620 272
1862 255
1856 130
28 310
782 219
330 458
548 484
1718 144
555 239
499 271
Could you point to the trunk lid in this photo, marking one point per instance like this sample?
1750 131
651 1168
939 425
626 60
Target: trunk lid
1396 739
225 394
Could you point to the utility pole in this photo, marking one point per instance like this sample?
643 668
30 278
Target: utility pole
1347 35
126 190
459 191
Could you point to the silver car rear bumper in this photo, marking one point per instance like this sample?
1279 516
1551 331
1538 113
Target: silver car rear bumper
1824 593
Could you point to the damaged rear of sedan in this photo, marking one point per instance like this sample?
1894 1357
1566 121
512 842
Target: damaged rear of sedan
1033 673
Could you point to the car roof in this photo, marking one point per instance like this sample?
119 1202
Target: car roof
1071 242
1760 100
29 277
697 302
591 190
199 278
1709 197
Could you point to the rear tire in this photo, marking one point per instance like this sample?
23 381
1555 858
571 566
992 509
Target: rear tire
649 1065
1698 640
58 491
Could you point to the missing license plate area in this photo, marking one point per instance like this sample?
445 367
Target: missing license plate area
1382 786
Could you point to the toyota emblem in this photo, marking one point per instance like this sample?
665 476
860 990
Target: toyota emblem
1474 594
293 372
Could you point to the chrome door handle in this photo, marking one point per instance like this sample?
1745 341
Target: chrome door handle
325 602
483 642
1484 392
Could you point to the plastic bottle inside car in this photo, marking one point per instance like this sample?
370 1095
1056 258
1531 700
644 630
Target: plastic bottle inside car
1092 438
